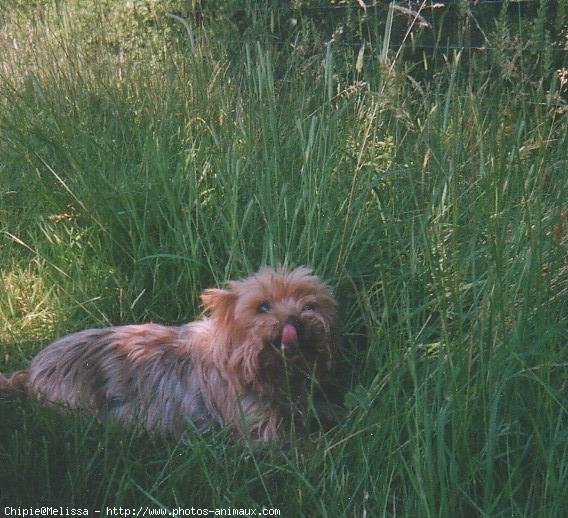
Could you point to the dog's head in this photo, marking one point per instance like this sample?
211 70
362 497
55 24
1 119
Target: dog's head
272 321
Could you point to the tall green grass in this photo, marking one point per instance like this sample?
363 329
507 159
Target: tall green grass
131 178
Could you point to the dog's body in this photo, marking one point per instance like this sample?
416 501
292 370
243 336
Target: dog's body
251 364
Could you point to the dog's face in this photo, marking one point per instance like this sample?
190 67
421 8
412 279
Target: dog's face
274 320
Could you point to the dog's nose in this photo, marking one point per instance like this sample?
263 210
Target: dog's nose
290 337
295 321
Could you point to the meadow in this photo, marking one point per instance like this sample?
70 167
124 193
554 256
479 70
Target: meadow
143 160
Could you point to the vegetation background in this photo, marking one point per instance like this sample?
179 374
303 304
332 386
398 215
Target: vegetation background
415 155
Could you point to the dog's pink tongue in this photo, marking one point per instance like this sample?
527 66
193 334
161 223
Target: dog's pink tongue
289 335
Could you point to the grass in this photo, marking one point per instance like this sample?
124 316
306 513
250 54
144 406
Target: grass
133 177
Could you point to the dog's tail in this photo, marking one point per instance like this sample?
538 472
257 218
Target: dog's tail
13 382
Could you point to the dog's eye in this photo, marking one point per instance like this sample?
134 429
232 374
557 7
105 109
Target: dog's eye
308 307
263 308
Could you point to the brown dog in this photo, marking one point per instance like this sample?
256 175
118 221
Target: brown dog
251 364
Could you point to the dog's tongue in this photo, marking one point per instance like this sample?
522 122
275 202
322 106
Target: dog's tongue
289 335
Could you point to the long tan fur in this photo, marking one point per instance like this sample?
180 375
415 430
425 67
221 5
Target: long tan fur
250 364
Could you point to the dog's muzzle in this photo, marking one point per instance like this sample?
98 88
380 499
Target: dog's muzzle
289 344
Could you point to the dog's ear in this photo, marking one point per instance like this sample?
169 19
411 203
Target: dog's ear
217 300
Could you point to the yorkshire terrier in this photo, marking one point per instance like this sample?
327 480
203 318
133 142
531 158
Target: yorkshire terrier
251 364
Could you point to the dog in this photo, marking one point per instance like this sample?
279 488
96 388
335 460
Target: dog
252 363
